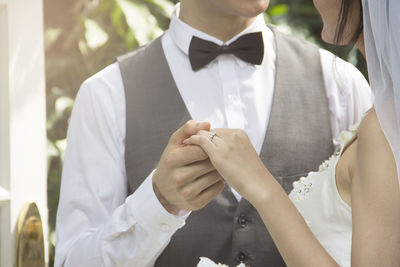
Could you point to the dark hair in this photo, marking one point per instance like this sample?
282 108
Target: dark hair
346 10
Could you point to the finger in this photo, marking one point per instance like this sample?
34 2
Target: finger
196 170
187 155
188 129
207 195
202 141
216 136
224 133
194 189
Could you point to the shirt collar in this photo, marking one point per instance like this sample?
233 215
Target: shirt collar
181 33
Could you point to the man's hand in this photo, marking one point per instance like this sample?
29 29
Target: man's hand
185 179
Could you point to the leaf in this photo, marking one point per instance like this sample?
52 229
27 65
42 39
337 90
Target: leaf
130 41
83 47
51 35
62 103
117 20
52 150
278 10
166 6
95 36
61 146
143 24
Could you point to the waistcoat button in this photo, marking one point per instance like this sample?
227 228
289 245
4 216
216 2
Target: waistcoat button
242 221
241 256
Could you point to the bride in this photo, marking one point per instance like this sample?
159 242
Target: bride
347 213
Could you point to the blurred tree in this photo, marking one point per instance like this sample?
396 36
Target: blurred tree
84 36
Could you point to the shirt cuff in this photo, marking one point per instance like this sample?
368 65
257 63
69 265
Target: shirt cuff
149 213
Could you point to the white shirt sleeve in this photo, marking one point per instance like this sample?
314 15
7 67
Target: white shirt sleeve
349 94
97 224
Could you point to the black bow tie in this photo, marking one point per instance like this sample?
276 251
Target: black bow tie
249 47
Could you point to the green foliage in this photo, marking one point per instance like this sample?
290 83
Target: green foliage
84 36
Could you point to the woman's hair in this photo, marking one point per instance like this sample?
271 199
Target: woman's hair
346 11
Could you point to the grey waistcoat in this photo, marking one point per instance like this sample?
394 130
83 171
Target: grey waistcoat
298 139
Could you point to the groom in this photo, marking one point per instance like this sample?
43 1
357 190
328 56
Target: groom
133 195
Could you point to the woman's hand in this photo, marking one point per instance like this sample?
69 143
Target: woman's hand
234 157
236 160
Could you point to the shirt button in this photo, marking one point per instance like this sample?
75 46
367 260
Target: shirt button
242 221
241 256
232 98
165 227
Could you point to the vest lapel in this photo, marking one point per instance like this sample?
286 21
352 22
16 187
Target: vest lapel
155 106
299 129
298 138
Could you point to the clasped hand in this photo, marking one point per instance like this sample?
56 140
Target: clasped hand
189 174
185 179
234 157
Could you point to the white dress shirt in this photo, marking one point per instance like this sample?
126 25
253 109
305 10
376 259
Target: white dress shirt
97 224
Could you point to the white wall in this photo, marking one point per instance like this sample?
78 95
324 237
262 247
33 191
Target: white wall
22 117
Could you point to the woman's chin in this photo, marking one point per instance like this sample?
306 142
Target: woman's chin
328 37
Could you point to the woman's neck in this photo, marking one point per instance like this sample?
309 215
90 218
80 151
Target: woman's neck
360 44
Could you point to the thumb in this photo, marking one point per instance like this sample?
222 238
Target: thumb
187 130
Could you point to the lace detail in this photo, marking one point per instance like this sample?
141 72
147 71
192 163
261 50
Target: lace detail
346 136
303 186
317 198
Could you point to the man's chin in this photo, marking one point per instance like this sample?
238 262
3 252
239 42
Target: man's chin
247 8
255 9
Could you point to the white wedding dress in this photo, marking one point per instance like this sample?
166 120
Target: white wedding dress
316 196
328 216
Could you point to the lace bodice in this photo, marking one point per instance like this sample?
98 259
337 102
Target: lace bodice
318 200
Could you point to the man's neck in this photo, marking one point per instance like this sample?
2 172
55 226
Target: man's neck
211 21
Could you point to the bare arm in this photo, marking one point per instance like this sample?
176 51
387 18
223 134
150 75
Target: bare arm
291 235
375 200
234 157
375 209
375 194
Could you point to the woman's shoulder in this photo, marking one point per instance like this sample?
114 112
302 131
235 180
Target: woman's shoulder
370 132
374 154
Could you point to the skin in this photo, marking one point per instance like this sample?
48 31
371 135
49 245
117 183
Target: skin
366 178
330 11
375 197
222 19
185 179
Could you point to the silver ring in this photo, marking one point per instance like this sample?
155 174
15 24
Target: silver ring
212 135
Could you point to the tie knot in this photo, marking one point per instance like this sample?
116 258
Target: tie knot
224 48
249 47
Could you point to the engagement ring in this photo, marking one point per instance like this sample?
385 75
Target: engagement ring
212 135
